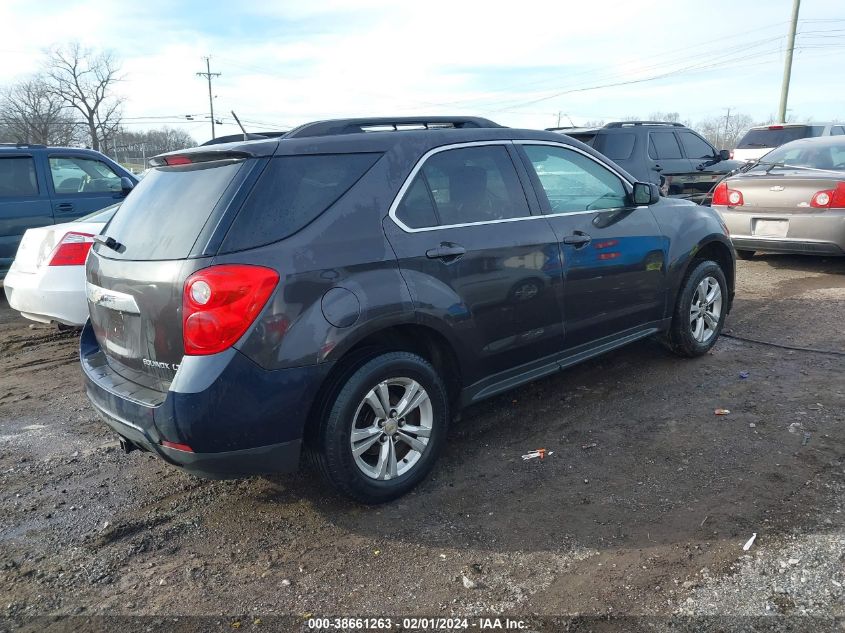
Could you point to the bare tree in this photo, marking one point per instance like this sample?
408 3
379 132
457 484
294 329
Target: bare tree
134 148
85 80
725 132
31 113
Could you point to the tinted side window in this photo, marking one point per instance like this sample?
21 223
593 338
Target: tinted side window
73 174
663 145
837 130
616 146
695 147
17 177
475 184
815 130
573 182
293 191
417 208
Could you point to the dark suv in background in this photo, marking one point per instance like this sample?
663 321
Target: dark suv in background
679 160
352 284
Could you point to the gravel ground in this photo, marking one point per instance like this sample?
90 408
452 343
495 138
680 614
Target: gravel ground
637 521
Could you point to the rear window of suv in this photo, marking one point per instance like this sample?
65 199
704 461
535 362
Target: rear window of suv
777 136
167 210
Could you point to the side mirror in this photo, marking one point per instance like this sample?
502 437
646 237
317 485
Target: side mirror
126 185
724 154
645 193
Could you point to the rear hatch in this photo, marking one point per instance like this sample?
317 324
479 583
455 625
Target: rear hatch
784 192
169 227
757 140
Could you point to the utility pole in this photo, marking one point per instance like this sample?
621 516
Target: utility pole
787 66
727 120
208 75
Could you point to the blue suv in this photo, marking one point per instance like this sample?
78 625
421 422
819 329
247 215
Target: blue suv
42 185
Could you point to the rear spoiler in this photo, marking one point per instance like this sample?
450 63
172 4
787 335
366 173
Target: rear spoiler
173 159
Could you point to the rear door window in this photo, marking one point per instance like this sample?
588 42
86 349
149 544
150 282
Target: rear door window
291 193
17 177
695 146
475 184
663 145
74 174
168 209
837 130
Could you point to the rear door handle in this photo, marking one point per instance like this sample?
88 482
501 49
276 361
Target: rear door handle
578 239
446 251
64 206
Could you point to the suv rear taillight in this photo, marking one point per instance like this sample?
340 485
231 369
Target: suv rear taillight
219 304
72 250
829 198
727 197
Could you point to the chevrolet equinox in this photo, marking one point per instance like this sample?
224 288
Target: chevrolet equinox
342 290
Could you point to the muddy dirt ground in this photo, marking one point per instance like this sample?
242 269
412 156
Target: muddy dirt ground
641 511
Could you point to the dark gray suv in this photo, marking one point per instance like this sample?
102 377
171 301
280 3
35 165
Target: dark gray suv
347 287
670 155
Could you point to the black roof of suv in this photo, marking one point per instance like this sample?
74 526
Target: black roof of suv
678 159
349 285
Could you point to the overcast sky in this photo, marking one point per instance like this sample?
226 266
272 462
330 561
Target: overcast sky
519 63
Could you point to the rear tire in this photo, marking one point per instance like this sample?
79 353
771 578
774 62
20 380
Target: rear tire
381 433
700 310
745 254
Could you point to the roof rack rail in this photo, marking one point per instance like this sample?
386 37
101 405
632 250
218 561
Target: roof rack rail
625 123
31 145
384 124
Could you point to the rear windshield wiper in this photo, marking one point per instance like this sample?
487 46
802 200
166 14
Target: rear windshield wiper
108 242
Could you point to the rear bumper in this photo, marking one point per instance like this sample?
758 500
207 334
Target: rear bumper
811 233
243 420
55 294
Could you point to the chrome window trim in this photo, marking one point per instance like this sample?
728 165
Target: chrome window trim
443 148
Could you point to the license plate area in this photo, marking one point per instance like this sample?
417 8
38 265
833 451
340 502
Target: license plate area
770 228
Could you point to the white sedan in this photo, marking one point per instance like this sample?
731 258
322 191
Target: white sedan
46 282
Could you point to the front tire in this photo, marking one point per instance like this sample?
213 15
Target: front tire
383 430
700 310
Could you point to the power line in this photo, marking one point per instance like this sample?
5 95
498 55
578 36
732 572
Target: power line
723 63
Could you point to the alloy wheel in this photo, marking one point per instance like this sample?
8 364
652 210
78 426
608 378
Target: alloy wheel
392 428
706 309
